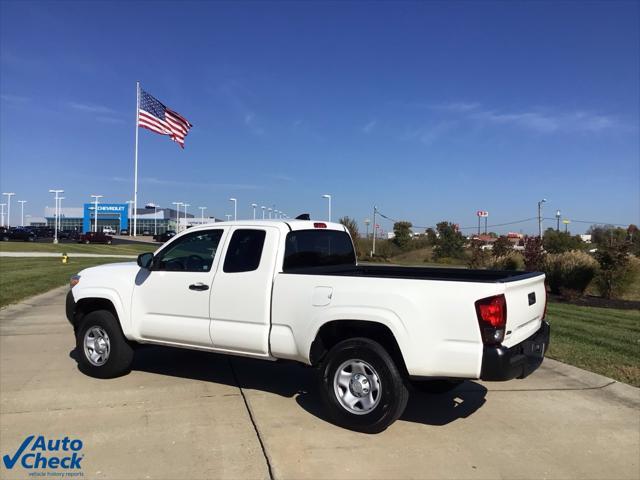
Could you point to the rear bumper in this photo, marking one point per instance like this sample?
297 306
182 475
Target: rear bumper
501 363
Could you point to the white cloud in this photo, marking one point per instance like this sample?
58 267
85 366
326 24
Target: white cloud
91 108
368 128
7 97
538 120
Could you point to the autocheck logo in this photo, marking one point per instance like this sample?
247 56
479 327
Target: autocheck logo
37 452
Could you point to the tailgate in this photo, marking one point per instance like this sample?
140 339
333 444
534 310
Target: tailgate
525 308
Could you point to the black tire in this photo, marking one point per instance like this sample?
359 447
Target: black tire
436 387
120 356
393 393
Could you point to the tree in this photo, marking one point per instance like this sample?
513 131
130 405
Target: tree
352 226
607 235
533 254
450 242
560 242
479 257
432 238
402 234
501 247
615 275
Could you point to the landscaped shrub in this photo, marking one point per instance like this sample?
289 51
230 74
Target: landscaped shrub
618 270
510 261
569 273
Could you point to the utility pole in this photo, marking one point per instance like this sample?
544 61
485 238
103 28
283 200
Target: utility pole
375 212
544 200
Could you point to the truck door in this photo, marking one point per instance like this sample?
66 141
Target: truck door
241 294
171 302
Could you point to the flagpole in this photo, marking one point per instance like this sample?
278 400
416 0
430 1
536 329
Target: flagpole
135 168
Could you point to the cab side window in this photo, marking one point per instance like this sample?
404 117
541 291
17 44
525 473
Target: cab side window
245 251
192 253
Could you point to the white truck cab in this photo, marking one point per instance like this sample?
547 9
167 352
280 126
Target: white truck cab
293 290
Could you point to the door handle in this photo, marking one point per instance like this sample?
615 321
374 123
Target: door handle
198 286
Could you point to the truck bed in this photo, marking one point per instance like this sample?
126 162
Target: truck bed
419 273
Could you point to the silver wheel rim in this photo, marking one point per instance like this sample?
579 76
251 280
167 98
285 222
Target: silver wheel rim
97 346
357 387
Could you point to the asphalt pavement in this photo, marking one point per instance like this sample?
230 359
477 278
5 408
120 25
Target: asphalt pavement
190 414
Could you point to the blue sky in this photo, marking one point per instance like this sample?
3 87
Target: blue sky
431 110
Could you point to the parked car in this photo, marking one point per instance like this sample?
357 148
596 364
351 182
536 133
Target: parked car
109 230
42 232
17 233
163 237
293 290
95 237
68 235
146 232
124 231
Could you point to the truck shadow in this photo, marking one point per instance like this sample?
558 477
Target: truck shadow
290 379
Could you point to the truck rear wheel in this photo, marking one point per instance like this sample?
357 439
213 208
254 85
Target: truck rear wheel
103 351
362 386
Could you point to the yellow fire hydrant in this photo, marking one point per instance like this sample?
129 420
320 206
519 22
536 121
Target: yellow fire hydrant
65 258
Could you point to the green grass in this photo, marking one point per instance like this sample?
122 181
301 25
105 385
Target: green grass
21 278
602 340
122 249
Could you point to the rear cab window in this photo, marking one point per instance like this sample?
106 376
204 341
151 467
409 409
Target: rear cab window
316 249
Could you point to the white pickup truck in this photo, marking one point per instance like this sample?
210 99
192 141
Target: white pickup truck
293 290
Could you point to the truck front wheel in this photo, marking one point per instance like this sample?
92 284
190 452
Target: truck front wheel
362 386
103 351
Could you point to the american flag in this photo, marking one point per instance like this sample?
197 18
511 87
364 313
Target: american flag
156 117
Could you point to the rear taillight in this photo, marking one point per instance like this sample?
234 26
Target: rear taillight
319 225
492 318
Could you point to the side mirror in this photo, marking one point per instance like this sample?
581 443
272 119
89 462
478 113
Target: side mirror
145 260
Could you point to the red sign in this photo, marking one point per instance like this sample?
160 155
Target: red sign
482 213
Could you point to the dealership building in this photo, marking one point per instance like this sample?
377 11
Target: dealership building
117 217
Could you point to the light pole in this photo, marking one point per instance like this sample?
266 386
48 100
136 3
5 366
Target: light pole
557 220
366 223
55 215
9 195
254 206
185 205
60 212
129 203
544 200
228 215
22 202
202 209
269 210
263 210
95 211
155 219
235 208
2 205
328 197
178 205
